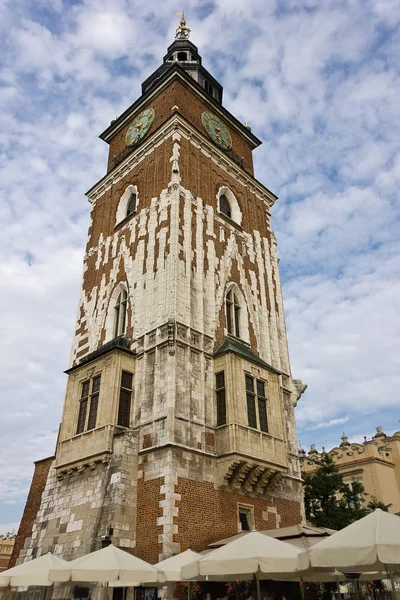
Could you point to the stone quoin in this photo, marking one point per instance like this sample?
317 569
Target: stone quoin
178 425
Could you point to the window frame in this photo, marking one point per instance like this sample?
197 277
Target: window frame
124 391
220 392
89 399
233 308
256 396
248 511
120 316
225 207
129 209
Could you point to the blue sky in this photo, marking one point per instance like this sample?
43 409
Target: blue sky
319 84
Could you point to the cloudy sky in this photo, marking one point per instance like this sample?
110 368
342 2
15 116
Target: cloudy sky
318 83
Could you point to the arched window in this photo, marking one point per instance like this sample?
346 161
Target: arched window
131 204
128 203
182 56
233 313
224 206
228 205
120 313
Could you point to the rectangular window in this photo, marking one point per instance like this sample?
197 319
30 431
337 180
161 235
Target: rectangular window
221 400
256 404
125 395
251 402
89 397
82 416
246 517
262 406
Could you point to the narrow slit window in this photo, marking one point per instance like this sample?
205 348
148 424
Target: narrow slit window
94 402
125 396
83 407
233 313
120 313
262 406
221 399
208 87
251 402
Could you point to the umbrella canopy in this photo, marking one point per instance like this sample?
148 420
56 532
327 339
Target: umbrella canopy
108 564
368 544
33 572
171 567
251 554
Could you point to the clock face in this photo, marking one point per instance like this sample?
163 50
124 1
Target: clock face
217 130
139 127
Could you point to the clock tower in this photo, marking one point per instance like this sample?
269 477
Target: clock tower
178 424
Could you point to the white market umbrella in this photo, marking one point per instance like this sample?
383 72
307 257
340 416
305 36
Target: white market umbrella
253 554
171 567
33 572
371 543
107 564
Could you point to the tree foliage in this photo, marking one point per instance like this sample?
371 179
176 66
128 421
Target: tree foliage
374 503
330 502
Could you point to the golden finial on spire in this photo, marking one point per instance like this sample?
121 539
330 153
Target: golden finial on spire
182 32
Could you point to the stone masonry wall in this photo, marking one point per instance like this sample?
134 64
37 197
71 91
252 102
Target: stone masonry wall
77 510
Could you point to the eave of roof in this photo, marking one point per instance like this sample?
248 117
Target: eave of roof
176 71
234 346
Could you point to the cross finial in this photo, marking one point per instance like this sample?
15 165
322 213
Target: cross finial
182 31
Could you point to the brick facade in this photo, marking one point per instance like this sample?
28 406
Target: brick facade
32 506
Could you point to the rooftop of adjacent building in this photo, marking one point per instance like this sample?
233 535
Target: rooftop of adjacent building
379 446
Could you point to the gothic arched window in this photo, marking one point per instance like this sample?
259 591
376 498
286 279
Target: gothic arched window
224 206
131 207
228 205
233 313
182 56
128 204
120 313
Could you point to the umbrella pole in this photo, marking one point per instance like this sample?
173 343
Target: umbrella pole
258 584
389 572
338 589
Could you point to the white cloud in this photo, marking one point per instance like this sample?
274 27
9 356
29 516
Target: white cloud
318 82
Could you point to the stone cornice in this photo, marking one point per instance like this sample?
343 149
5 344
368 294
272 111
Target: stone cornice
176 124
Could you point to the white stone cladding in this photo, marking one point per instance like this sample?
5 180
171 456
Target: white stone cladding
177 256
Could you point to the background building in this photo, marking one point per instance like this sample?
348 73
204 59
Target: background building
6 547
375 463
178 425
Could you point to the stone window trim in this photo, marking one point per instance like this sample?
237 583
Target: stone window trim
256 402
117 313
88 403
125 399
120 310
246 520
128 205
220 390
236 317
226 196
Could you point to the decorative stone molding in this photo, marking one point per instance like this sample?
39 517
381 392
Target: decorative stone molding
252 478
